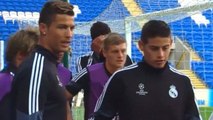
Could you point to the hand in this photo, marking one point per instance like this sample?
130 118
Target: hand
97 43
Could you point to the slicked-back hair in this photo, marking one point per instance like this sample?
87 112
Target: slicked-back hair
52 8
155 28
22 41
113 39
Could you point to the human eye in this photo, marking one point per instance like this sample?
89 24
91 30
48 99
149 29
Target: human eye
62 27
154 48
72 28
165 47
124 51
115 51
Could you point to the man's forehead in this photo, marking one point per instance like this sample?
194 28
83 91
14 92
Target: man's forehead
121 45
61 18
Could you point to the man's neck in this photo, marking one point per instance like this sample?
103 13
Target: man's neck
111 69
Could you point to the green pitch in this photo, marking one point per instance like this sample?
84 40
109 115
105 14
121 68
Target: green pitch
78 112
206 112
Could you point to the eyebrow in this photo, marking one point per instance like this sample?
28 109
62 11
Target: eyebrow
159 46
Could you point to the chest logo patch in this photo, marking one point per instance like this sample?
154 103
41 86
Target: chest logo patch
173 93
141 90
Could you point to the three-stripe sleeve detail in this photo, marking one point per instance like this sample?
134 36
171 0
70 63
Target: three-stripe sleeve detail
35 82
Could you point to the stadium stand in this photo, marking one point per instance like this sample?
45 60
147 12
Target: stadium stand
90 8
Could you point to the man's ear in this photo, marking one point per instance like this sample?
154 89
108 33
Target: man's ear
141 45
43 29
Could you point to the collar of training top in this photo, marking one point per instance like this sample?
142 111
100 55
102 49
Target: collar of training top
48 55
151 69
107 72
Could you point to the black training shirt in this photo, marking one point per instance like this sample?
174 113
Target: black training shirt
37 92
141 92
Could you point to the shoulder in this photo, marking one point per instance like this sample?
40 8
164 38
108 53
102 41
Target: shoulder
79 75
127 70
86 56
36 63
62 69
83 60
177 73
96 66
120 76
33 59
5 77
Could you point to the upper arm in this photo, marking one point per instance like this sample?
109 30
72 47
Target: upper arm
79 64
79 81
192 110
108 103
32 93
82 62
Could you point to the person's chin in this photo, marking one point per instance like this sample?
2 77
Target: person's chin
120 65
159 66
64 49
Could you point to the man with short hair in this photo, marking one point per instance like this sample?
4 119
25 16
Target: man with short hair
19 46
37 92
98 33
150 89
93 78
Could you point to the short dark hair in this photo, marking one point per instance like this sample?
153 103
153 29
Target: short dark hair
22 41
51 8
99 28
113 39
155 28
